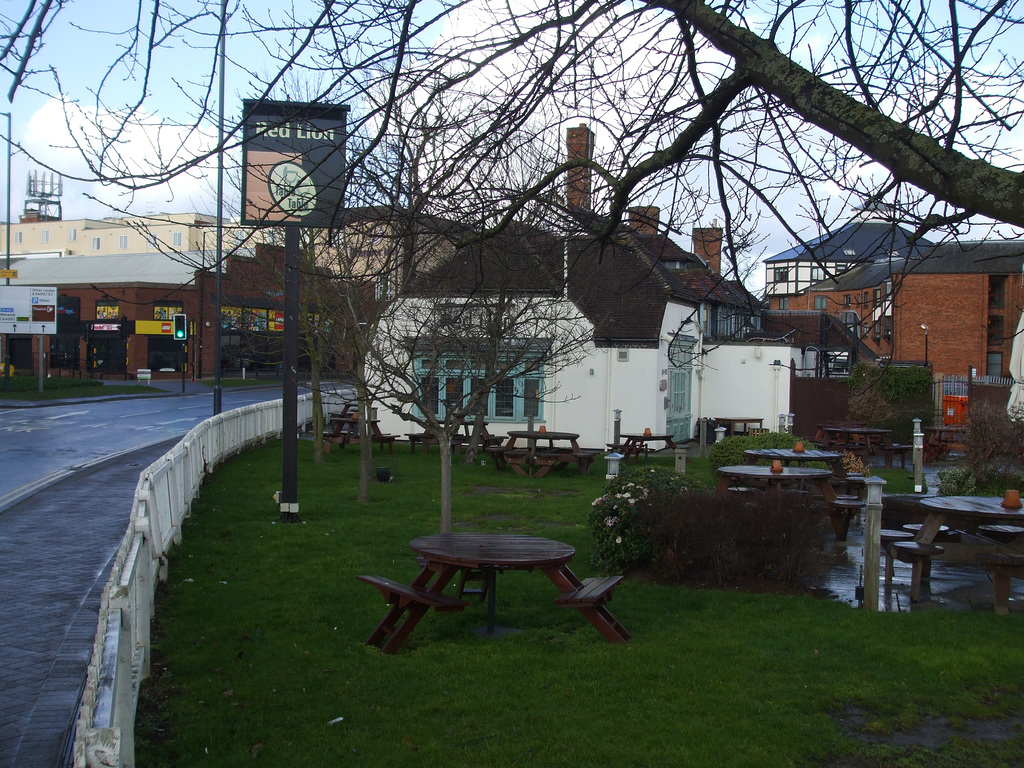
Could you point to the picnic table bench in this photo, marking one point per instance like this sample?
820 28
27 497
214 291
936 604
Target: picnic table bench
484 555
345 430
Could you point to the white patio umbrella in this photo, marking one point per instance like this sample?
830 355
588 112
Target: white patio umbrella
1016 401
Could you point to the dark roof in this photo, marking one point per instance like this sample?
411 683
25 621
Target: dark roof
664 249
862 276
622 289
520 258
987 257
708 286
858 240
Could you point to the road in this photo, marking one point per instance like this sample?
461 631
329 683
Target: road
42 444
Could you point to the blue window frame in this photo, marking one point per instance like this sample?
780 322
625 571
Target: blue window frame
513 399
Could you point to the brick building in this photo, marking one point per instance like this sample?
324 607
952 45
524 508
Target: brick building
115 311
955 307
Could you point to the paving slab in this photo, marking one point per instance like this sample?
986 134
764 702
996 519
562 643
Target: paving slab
56 549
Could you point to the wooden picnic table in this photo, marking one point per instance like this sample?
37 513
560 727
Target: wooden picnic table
969 514
789 456
861 441
939 441
426 439
345 429
445 555
764 477
732 421
634 444
532 453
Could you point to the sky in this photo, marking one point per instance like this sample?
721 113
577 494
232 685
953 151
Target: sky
79 48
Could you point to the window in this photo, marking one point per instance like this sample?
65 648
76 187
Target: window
96 244
72 234
516 398
107 310
122 242
996 291
782 274
817 274
784 302
995 330
994 364
17 238
231 317
166 311
622 355
877 297
176 240
821 302
887 327
44 235
847 300
382 289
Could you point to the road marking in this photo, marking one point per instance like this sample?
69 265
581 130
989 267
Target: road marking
66 415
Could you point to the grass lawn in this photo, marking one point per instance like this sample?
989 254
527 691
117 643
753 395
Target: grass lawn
259 652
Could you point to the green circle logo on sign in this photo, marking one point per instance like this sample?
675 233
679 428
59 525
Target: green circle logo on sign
292 188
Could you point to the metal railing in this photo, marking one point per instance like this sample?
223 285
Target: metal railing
104 734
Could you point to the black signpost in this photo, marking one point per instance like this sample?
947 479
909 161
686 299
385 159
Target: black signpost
293 159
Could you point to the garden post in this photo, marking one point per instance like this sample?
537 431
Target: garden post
918 457
872 541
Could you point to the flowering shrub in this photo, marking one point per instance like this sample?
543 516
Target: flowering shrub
620 541
621 537
854 464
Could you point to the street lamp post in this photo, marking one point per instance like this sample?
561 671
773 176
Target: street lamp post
926 329
5 360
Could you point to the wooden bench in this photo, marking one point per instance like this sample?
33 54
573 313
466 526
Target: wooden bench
886 537
589 599
919 556
1004 566
896 449
1004 534
841 512
404 599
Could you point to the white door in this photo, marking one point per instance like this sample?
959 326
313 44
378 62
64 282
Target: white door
679 421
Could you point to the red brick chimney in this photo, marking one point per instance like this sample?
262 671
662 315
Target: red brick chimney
644 220
707 243
579 143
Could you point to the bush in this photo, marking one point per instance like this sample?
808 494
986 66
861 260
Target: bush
620 534
992 462
890 397
729 452
709 539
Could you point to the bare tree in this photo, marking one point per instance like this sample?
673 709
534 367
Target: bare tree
792 103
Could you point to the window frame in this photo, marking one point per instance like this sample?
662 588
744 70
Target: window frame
519 396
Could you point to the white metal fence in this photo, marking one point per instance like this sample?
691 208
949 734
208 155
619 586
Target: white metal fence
104 733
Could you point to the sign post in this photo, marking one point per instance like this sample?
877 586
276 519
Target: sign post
26 310
293 175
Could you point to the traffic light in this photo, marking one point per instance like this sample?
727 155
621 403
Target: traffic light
181 327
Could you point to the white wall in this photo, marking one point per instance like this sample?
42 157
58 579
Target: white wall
741 380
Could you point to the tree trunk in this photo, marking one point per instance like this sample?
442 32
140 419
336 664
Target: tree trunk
318 411
365 444
444 446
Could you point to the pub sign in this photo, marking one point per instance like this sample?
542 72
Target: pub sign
293 157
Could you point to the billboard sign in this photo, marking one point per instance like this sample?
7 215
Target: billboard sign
29 309
293 158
